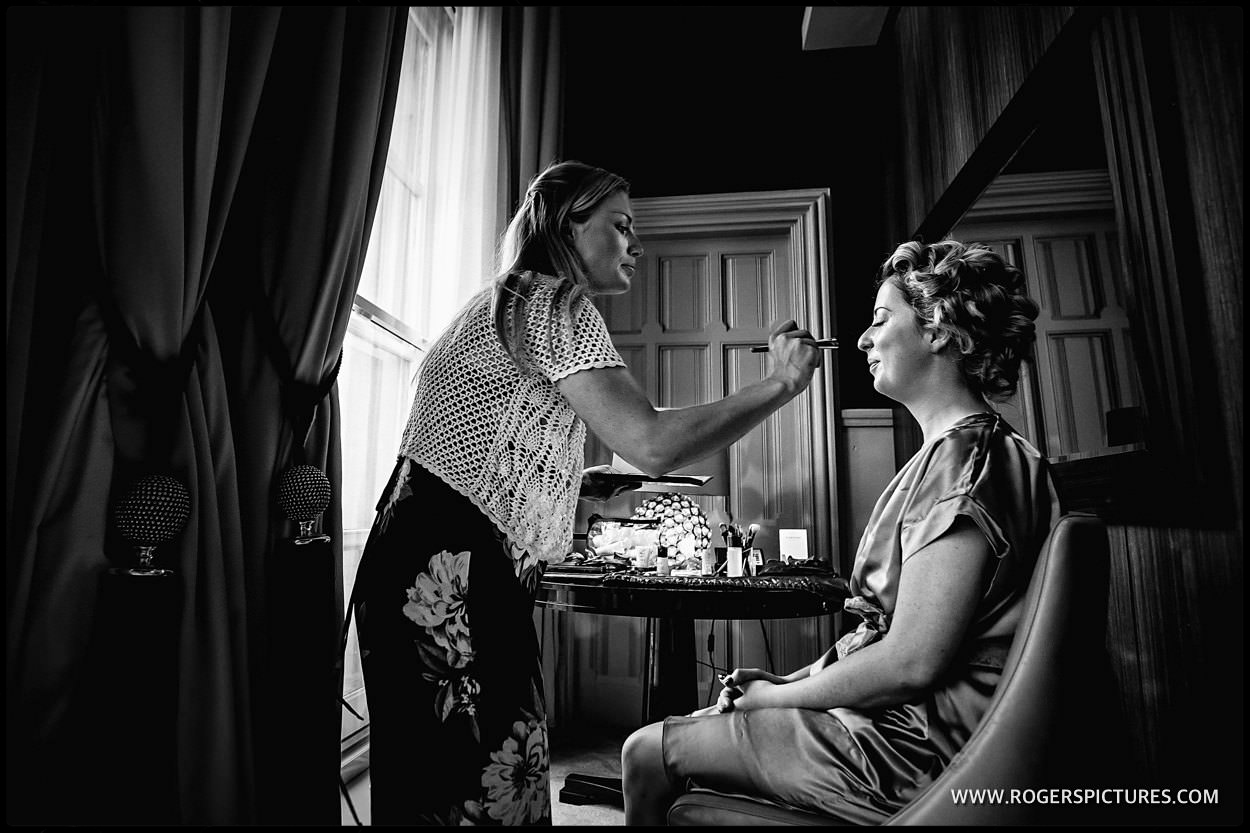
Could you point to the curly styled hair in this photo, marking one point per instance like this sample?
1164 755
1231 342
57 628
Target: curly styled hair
971 294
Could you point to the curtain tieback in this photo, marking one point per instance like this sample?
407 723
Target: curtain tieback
300 400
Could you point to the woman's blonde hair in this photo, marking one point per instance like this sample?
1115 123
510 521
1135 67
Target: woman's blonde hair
539 240
973 295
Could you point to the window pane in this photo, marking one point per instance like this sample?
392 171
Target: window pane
391 243
375 389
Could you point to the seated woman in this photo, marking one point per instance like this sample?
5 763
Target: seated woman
939 578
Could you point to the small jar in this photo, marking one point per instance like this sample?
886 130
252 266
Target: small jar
662 565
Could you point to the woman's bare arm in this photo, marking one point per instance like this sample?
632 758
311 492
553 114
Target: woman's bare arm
616 409
938 592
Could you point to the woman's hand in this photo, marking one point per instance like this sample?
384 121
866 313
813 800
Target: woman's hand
595 486
725 700
613 404
740 676
743 683
794 354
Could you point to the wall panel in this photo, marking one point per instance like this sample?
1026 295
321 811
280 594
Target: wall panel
958 68
1170 89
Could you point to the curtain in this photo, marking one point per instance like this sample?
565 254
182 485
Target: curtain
533 99
462 165
288 275
143 141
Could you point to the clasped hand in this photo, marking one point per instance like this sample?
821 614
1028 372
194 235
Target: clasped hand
744 688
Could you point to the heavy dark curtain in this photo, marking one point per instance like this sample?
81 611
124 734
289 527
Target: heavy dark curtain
532 89
189 196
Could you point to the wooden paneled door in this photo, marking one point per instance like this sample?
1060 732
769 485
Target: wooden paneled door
716 273
686 330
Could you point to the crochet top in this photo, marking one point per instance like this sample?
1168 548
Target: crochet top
503 436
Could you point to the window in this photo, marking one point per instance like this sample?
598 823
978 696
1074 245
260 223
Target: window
430 249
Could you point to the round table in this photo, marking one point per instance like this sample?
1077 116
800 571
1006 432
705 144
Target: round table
671 604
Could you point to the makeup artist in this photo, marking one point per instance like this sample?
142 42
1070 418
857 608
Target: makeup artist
939 578
485 491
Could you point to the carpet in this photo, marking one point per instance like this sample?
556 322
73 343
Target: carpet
591 751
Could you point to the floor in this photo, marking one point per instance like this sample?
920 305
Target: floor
595 751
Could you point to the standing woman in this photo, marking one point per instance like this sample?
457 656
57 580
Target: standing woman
485 492
939 578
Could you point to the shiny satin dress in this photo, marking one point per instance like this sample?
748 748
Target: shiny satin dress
861 766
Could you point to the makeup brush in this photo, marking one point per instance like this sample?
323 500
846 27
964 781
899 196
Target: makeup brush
823 344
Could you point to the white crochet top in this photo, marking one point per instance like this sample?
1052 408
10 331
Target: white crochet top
502 437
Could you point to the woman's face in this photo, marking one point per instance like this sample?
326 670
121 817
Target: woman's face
896 345
608 246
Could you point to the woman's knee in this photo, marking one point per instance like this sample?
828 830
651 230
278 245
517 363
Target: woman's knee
644 748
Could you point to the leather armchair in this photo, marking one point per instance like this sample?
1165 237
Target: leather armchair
1049 724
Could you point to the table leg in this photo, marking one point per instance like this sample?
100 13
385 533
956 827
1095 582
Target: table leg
673 688
670 687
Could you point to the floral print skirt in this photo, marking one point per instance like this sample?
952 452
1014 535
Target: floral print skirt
453 677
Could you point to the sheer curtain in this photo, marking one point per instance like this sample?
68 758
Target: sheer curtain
432 247
463 165
437 222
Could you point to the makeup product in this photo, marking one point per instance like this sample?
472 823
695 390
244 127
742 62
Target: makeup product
662 565
733 553
823 344
707 565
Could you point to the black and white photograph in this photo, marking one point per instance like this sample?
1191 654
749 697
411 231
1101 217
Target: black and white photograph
624 416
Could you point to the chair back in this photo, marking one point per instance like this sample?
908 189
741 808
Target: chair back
1051 721
1031 735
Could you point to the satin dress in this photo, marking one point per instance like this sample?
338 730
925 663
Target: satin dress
861 766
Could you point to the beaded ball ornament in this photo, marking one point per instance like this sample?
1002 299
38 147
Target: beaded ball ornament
683 526
153 511
303 493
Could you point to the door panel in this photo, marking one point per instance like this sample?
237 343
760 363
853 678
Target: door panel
697 306
690 355
684 294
